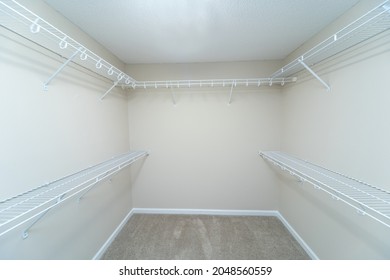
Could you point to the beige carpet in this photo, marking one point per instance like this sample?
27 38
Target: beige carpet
202 237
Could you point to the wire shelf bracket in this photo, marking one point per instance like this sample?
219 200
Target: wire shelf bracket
366 199
231 93
26 231
33 205
173 96
109 90
314 74
46 84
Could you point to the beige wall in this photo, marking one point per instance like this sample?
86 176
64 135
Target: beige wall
203 151
345 130
47 135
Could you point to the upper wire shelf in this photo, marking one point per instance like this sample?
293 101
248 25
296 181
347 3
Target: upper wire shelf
19 19
35 203
366 199
367 26
24 22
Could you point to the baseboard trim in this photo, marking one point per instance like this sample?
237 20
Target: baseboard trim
169 211
106 244
205 212
297 237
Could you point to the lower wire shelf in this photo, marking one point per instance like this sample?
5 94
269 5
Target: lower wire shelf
366 199
34 204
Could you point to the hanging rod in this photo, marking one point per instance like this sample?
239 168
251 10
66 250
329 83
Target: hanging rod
32 206
211 83
375 21
366 199
24 22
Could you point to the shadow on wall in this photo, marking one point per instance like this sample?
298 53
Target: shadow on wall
364 51
136 169
44 68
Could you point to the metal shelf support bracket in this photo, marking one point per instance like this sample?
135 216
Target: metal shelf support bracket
46 84
88 189
314 74
25 232
173 96
231 93
109 90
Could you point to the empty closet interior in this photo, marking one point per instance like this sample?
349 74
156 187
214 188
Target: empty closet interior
93 131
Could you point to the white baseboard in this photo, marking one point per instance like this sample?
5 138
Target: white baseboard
106 244
205 212
297 237
273 213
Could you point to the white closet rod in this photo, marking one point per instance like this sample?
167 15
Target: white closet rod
211 83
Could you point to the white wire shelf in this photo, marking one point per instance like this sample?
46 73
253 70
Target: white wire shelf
366 199
229 83
365 27
35 203
212 83
24 22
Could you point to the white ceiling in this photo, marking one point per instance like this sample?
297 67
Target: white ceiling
181 31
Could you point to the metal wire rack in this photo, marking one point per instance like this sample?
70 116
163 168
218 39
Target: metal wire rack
24 22
366 199
367 26
35 203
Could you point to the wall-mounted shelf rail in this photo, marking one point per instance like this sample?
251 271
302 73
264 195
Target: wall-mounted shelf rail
32 205
367 26
24 22
366 199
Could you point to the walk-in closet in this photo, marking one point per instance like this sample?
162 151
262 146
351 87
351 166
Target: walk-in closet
210 129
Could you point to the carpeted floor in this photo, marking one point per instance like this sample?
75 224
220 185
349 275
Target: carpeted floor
202 237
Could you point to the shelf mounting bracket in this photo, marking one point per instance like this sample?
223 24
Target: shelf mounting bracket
231 93
97 181
108 91
173 96
314 74
89 189
25 232
46 84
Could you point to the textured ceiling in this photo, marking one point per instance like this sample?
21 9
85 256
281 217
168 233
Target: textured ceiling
181 31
